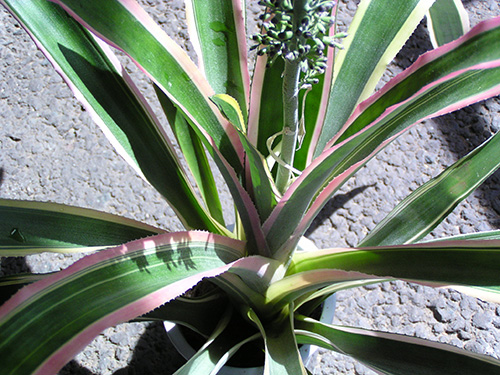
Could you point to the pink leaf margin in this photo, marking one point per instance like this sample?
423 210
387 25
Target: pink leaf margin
325 95
239 19
259 75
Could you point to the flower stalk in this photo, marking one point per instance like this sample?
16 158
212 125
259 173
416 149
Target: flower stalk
291 77
296 30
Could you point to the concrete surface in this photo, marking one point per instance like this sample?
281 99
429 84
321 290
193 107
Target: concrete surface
51 151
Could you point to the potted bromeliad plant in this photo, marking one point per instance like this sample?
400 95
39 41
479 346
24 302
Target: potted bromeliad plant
284 140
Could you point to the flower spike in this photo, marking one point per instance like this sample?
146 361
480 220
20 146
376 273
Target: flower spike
298 34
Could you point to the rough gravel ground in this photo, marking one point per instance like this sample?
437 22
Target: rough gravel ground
52 151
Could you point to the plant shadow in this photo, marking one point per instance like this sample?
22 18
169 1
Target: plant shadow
152 354
337 202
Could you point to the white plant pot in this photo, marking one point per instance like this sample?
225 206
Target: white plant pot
187 351
307 352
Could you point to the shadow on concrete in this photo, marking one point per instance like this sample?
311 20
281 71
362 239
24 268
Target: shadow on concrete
153 354
74 368
338 201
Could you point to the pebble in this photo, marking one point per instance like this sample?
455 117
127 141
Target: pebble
119 338
474 346
482 320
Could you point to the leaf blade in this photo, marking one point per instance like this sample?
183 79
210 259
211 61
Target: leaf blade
447 20
218 31
421 211
393 354
120 283
474 263
29 227
194 154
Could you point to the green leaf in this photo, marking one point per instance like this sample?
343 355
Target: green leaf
194 155
231 110
217 31
127 26
469 263
282 354
427 206
95 77
230 335
201 314
377 32
488 235
475 49
393 354
262 186
48 322
266 103
447 20
32 227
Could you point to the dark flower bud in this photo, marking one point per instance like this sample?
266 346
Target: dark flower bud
285 35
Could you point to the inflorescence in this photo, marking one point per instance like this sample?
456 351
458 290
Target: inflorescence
303 40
